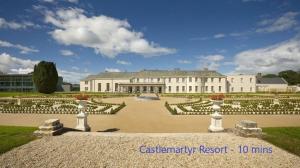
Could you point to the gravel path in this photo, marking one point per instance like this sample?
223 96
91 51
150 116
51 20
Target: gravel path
75 149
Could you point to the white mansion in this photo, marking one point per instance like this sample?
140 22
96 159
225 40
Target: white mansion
176 81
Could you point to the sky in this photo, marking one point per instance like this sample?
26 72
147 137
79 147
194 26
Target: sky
89 37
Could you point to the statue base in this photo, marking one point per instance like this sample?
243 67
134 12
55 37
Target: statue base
82 122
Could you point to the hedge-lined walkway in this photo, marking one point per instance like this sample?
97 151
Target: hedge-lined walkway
148 116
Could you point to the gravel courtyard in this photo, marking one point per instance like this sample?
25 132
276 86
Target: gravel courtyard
75 149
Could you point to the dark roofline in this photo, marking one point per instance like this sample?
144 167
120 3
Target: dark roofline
153 73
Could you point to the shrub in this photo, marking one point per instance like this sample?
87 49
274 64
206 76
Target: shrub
45 77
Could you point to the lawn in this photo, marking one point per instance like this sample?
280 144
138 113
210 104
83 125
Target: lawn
14 136
287 138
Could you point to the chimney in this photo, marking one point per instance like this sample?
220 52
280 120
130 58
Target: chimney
259 75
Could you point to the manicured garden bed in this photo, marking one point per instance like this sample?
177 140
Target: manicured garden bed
14 136
287 138
54 105
240 106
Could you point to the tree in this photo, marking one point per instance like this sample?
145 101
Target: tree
45 77
290 76
270 76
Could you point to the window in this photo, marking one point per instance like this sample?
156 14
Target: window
183 88
177 80
212 88
241 80
250 89
99 87
232 89
116 87
231 80
137 80
242 89
220 88
86 82
190 79
169 88
131 80
169 79
190 88
250 80
158 79
211 79
107 87
220 79
177 88
86 88
196 79
183 79
196 88
206 88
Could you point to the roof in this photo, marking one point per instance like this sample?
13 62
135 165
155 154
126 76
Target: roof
275 80
154 73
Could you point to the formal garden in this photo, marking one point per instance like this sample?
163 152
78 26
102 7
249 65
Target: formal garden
56 105
240 105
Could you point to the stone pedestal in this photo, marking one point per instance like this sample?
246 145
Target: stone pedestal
216 123
276 101
49 128
82 122
216 119
82 117
247 128
19 101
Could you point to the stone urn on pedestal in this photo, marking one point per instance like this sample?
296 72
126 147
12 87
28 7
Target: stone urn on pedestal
82 116
216 118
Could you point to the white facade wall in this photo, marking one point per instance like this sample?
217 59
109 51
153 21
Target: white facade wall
101 85
176 84
241 83
272 87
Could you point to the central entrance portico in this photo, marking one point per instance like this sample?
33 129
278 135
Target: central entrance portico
142 87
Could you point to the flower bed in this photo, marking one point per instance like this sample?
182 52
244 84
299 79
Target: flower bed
285 106
56 106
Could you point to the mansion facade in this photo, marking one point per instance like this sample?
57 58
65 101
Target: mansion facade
168 81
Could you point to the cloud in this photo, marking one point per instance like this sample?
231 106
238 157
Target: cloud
73 1
54 1
24 49
210 61
67 53
10 64
284 22
123 62
75 68
184 61
15 25
112 70
13 65
106 35
49 1
252 0
71 76
220 35
270 59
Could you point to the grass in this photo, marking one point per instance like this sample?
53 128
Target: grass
14 136
287 138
